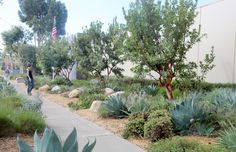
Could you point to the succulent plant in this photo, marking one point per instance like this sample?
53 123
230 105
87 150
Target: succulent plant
227 138
151 90
189 112
115 107
51 143
137 103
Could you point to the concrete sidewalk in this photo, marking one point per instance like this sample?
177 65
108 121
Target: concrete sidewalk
63 121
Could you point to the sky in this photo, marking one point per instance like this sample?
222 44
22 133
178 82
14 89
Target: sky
80 13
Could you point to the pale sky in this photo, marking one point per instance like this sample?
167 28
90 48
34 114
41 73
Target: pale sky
80 13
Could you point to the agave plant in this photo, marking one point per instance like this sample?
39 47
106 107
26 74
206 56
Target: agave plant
137 103
51 143
115 106
226 99
227 138
151 90
188 112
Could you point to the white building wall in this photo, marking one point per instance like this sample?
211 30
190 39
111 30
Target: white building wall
218 22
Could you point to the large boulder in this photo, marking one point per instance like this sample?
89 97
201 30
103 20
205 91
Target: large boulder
20 80
95 106
76 92
56 89
44 88
119 93
108 91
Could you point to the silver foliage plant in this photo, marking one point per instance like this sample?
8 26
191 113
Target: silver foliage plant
50 142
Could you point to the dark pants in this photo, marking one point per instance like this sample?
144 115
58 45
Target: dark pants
30 85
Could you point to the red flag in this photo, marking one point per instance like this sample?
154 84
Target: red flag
54 30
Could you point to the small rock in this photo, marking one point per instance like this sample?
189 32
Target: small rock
20 80
56 89
95 106
76 92
44 88
119 93
108 91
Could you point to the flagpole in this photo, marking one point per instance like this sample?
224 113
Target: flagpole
54 30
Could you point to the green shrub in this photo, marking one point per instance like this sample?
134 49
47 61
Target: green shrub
40 81
65 88
115 107
179 144
6 89
177 93
227 138
162 91
103 112
7 126
80 83
135 87
194 85
143 115
31 104
85 100
60 81
29 121
19 115
159 102
74 105
113 86
158 125
11 101
96 89
134 127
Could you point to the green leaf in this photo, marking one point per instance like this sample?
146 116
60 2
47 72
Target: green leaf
37 142
89 147
54 144
71 144
45 139
23 146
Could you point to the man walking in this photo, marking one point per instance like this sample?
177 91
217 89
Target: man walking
30 79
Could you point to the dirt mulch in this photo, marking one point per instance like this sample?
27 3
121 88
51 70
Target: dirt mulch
201 139
8 144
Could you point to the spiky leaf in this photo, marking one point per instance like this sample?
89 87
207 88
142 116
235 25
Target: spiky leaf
54 144
37 142
89 147
71 144
23 146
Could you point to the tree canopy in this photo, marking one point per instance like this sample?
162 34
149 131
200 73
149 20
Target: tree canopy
16 35
160 36
98 50
39 15
57 55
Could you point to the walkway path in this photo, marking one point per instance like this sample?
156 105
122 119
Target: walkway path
63 121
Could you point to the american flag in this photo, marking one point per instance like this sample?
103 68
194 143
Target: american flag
54 30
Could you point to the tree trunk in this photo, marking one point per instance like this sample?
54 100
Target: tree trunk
169 93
